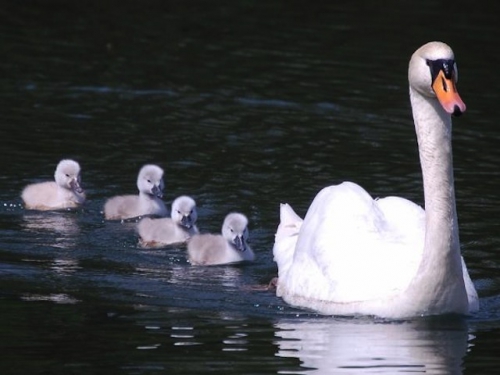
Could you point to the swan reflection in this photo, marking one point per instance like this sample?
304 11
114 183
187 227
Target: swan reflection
329 346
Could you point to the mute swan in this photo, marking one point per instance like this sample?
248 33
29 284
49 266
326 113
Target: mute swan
386 257
167 231
230 247
148 202
65 192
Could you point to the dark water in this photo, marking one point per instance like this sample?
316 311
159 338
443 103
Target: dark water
245 105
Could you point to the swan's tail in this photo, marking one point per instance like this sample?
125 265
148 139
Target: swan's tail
290 223
286 238
470 289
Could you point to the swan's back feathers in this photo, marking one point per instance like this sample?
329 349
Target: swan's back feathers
357 262
404 217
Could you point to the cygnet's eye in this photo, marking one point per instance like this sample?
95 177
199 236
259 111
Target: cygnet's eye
67 175
149 181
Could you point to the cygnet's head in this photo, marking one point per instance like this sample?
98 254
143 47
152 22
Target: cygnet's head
433 73
235 230
67 175
184 211
150 180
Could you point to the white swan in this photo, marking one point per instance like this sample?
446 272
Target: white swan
230 247
387 257
64 192
148 202
174 230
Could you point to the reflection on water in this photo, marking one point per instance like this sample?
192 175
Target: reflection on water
56 298
60 229
65 266
183 336
329 346
196 276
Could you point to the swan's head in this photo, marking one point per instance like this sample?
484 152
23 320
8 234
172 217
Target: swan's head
68 175
235 230
433 73
184 211
150 180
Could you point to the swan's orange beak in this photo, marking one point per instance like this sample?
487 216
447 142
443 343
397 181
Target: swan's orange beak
447 94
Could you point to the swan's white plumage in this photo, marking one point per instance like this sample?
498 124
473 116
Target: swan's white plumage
229 247
173 230
371 238
64 192
148 202
356 255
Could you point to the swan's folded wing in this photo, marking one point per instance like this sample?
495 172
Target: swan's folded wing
405 219
347 251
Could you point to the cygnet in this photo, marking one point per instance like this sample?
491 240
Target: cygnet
174 230
230 247
64 192
148 202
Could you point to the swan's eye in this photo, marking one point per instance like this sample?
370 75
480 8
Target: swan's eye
67 175
445 65
149 181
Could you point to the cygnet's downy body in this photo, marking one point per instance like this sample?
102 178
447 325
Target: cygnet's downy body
64 192
169 231
147 203
229 247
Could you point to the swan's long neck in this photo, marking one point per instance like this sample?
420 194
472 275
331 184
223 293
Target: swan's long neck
441 261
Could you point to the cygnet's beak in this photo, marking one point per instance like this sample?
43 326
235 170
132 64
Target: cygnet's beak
157 192
75 186
239 243
186 221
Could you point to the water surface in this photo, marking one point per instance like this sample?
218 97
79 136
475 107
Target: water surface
245 105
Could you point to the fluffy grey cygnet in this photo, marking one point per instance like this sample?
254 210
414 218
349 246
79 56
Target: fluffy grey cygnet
64 192
230 247
174 230
148 202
